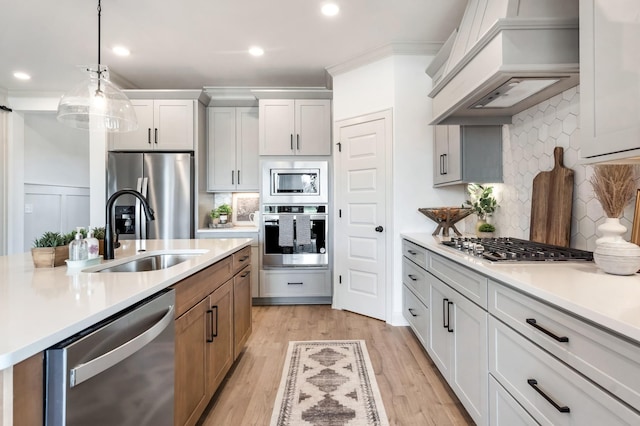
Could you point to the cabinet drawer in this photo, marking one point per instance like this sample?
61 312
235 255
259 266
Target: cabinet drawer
539 381
611 362
504 410
294 284
193 289
416 313
416 279
469 283
416 253
241 259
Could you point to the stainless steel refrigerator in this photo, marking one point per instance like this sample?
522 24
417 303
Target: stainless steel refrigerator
166 180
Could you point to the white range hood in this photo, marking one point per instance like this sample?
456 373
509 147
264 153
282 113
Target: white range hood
506 56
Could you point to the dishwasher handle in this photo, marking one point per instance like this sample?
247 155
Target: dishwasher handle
87 370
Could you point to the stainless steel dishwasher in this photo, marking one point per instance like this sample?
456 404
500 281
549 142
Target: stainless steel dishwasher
118 372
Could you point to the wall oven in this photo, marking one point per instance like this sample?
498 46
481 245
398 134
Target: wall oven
295 236
295 182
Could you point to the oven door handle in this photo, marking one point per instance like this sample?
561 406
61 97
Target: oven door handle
87 370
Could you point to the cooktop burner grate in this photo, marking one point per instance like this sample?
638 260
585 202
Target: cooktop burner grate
514 249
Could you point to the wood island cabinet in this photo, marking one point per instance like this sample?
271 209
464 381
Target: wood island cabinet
213 322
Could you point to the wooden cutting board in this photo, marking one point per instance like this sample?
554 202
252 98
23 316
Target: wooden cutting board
551 203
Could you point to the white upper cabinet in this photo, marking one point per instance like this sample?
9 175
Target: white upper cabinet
609 80
232 156
163 125
295 127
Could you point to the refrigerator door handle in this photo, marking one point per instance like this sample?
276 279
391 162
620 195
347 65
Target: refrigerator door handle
143 224
138 216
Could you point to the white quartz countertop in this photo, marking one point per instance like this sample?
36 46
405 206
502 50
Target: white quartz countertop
40 307
610 301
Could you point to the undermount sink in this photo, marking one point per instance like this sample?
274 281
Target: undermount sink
151 262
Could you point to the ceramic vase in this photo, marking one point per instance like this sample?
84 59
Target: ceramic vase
611 231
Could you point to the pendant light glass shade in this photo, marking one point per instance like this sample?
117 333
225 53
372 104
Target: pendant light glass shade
97 104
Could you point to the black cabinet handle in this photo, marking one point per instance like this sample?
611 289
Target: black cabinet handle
298 142
411 312
149 135
411 252
532 322
210 326
238 177
291 141
412 277
444 313
243 258
534 384
295 283
449 329
444 164
232 175
156 135
245 274
215 333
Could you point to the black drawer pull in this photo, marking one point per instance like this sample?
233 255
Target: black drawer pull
411 312
445 311
411 252
243 258
295 283
534 384
412 277
449 329
532 322
245 274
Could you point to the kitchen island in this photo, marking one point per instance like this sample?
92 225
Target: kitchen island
526 342
39 307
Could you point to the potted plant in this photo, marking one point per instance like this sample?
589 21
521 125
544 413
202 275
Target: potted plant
50 250
486 230
99 233
215 217
224 210
482 202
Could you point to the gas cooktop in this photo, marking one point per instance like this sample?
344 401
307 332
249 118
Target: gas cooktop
514 249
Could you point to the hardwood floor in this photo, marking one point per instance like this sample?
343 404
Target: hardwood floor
412 389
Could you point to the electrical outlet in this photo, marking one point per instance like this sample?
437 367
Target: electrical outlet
28 208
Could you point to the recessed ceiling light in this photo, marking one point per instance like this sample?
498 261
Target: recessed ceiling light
256 51
121 51
21 75
330 9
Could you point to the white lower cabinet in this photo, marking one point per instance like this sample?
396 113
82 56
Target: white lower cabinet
457 344
548 389
504 410
416 313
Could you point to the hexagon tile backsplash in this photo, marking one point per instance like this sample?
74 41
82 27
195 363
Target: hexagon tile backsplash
528 145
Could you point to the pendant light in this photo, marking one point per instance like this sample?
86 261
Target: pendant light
96 103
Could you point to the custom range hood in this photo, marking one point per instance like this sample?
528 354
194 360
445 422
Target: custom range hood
506 56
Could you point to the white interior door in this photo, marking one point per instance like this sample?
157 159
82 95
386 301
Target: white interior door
361 221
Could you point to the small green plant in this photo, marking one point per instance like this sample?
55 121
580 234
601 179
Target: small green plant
486 227
482 200
50 239
214 214
224 209
99 233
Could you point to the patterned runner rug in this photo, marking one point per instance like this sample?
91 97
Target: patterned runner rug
328 383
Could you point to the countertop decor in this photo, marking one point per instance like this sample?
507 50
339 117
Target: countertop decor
446 217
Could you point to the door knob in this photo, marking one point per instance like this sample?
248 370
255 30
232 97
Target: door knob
379 229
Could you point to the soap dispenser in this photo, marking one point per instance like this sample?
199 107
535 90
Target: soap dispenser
93 247
78 247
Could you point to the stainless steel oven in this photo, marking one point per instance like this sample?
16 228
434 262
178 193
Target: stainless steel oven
295 182
295 236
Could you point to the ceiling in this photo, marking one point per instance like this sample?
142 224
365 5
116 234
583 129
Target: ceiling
191 44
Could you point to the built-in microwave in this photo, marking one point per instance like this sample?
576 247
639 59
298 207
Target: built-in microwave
289 182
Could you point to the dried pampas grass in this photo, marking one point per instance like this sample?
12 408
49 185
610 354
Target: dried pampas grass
614 186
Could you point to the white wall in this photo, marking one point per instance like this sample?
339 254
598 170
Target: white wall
4 124
399 83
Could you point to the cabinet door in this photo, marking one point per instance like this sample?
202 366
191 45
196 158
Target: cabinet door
440 151
609 78
241 309
313 127
469 369
191 393
173 125
276 127
454 154
439 338
247 169
221 149
219 335
142 138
